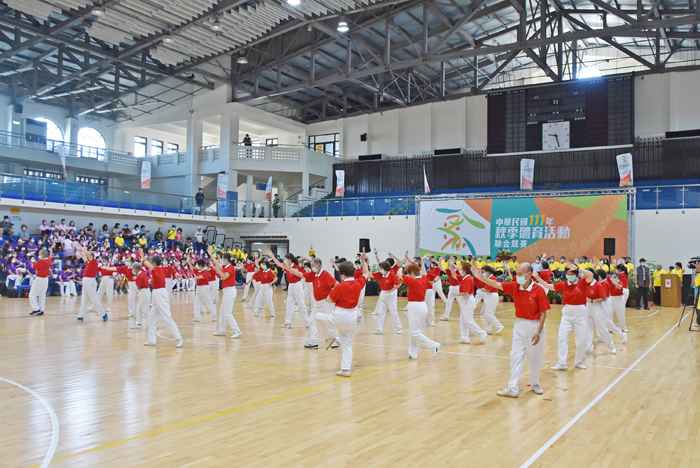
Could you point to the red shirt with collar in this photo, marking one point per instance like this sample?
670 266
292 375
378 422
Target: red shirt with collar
416 288
596 291
432 274
292 278
229 282
572 294
142 280
347 294
484 286
528 304
386 283
546 275
395 268
158 278
127 272
42 267
456 279
169 271
104 272
90 269
467 285
624 279
204 280
357 273
614 290
249 267
266 277
322 283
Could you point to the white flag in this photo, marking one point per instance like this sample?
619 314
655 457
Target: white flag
268 189
340 183
62 154
425 181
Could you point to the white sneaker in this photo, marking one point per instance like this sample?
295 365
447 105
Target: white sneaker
136 327
236 334
432 324
612 349
599 340
149 343
272 314
378 332
286 325
196 320
436 349
213 319
445 319
506 392
343 373
375 313
624 338
219 333
178 344
581 365
624 330
255 314
589 350
489 332
537 389
483 338
400 331
499 330
129 315
464 341
560 367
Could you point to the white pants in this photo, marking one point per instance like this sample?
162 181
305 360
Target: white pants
451 299
295 298
308 293
248 277
37 293
203 297
161 308
320 307
490 303
168 284
618 303
106 288
344 321
132 292
16 278
68 289
417 312
360 301
256 294
598 315
226 310
437 286
522 349
467 304
264 293
573 317
214 290
143 304
430 305
388 300
89 298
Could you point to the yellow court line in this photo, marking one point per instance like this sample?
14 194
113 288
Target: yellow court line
168 352
206 418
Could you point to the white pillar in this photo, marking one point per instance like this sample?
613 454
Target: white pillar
280 190
195 128
249 195
230 125
305 183
71 135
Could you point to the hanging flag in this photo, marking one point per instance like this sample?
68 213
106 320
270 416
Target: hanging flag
62 154
624 167
222 186
146 175
340 183
527 174
425 181
268 189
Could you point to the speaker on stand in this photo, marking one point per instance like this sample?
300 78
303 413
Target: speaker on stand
364 244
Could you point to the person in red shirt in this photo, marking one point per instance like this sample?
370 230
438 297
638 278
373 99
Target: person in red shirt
169 274
322 283
455 280
617 298
227 272
388 284
417 285
89 295
249 268
132 291
489 295
598 296
545 273
393 268
531 306
161 304
356 274
295 290
141 285
37 293
624 281
107 272
434 286
202 293
343 317
266 278
213 281
574 315
467 305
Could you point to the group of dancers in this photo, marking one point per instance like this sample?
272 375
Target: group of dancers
589 298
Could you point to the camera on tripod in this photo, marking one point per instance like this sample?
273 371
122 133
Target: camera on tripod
692 262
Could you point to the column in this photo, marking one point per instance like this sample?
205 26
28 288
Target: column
234 207
280 193
280 190
195 128
305 183
249 196
230 125
71 136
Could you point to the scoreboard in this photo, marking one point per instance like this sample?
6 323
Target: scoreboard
575 114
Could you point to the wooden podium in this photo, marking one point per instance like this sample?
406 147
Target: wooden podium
670 290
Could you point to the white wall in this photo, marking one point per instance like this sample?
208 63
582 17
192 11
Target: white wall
668 237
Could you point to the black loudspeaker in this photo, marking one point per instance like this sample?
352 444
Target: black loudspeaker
18 108
609 246
364 243
370 157
363 137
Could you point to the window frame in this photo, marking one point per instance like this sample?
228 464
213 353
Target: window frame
155 147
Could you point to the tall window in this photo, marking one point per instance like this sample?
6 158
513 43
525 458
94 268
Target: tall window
173 147
329 144
140 145
91 144
53 131
271 142
156 147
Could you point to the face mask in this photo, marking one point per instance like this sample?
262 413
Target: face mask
307 269
614 280
264 268
314 269
357 267
641 263
521 280
384 273
571 278
127 263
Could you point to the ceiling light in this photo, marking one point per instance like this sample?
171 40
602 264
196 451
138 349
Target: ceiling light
294 2
216 26
242 60
343 25
168 39
99 11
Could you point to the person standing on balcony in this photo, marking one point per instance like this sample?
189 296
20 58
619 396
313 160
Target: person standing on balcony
247 141
199 201
276 205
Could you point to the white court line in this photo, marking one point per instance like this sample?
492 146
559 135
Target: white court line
227 342
54 421
645 316
590 405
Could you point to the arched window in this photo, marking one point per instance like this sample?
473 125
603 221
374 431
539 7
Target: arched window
53 131
91 144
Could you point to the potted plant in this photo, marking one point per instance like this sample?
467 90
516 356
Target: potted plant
402 290
504 255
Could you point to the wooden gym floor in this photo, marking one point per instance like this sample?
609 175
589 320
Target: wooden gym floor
265 401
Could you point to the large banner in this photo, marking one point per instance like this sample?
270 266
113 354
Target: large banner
624 167
268 189
146 175
62 154
527 174
222 186
340 183
528 227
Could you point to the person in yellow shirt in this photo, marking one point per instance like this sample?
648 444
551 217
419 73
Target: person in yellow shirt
488 261
679 270
480 263
142 240
656 276
629 265
513 263
444 263
498 265
119 240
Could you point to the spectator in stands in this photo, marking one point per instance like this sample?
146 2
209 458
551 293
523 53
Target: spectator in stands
71 227
172 232
199 200
126 233
115 231
178 237
247 141
158 236
104 232
7 226
63 226
89 230
199 237
23 233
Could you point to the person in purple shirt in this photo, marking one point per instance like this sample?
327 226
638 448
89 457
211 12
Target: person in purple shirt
12 273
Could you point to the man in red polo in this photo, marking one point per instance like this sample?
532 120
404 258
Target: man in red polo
531 306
